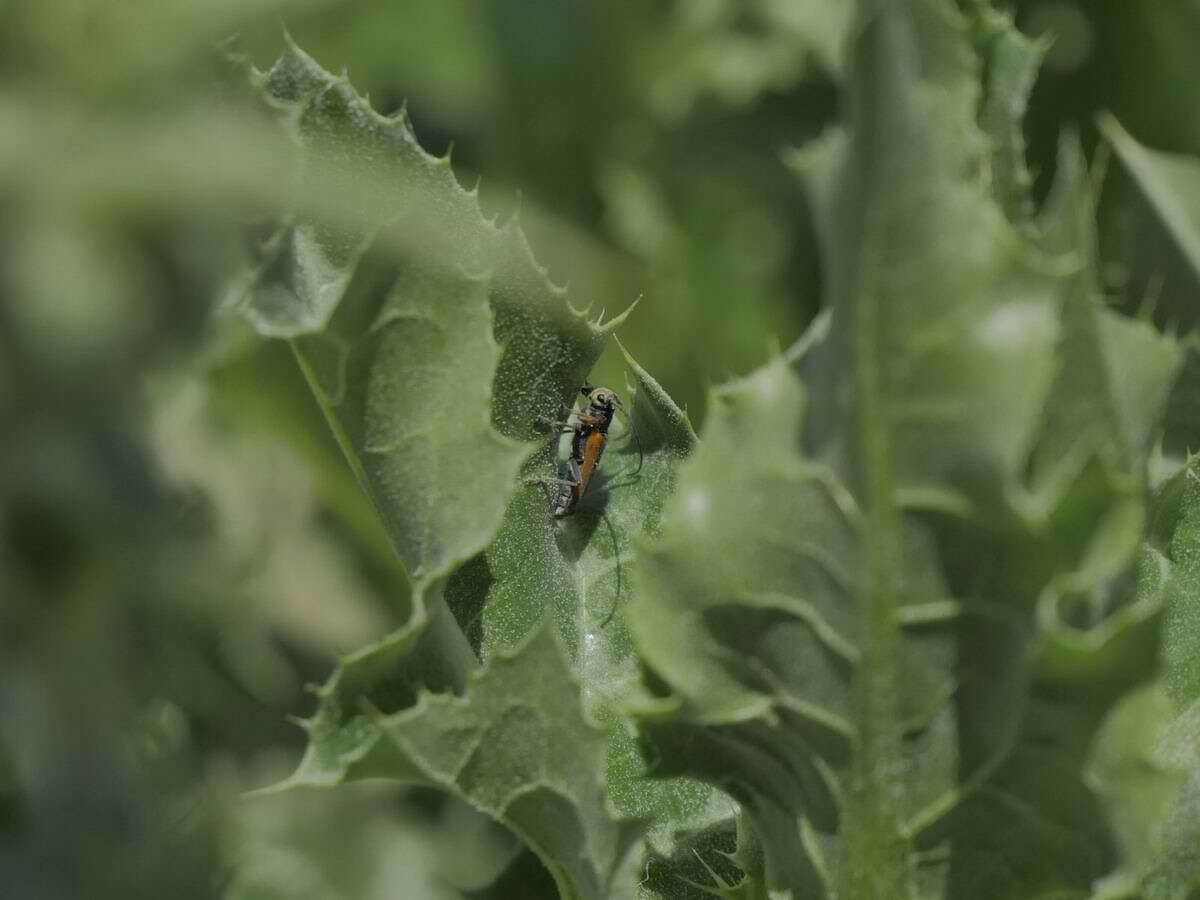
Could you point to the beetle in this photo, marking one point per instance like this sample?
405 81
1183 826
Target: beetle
589 437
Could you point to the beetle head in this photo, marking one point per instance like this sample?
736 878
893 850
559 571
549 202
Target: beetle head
602 397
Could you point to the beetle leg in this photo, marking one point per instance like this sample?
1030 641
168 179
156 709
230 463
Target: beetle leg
575 473
562 426
545 484
549 481
575 477
564 412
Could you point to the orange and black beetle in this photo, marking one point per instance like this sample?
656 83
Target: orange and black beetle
588 439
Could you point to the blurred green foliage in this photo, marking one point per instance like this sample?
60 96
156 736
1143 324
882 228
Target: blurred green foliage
182 546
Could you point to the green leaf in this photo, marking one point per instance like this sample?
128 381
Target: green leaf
520 747
1146 767
412 414
1033 829
1012 61
939 358
975 426
1032 824
1100 420
578 572
1169 182
1181 636
925 275
1145 763
1176 872
708 582
368 842
260 383
755 576
1136 363
409 206
435 379
574 566
431 341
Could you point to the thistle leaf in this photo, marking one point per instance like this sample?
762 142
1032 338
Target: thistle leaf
1169 182
871 569
438 351
519 747
1012 62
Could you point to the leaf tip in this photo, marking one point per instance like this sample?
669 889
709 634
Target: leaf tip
621 347
1111 128
1149 304
618 320
289 42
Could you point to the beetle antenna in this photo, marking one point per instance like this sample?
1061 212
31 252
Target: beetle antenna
617 563
637 439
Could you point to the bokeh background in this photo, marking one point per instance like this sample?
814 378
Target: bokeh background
182 548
